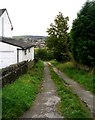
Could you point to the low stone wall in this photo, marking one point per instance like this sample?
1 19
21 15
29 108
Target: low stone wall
11 73
83 67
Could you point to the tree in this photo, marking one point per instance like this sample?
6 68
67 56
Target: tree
83 35
58 37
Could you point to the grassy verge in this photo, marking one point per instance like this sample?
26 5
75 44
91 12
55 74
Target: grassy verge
70 105
82 77
19 96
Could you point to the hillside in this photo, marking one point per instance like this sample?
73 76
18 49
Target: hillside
30 37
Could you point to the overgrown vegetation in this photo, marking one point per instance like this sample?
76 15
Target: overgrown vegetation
43 54
58 38
81 76
12 72
83 35
70 105
19 96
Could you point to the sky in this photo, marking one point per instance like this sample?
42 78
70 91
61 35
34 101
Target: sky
33 17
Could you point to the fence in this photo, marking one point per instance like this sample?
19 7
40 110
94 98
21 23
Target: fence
11 73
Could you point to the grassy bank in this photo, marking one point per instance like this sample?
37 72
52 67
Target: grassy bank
19 96
70 105
82 77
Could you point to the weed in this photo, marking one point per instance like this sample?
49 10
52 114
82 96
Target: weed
19 96
81 76
70 106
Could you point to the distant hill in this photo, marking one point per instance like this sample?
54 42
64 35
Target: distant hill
30 37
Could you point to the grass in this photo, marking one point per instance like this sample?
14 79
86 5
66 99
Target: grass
70 105
19 96
82 77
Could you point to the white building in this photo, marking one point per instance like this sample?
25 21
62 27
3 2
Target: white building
12 51
5 24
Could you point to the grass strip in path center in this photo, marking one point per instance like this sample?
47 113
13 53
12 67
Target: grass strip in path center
85 79
70 106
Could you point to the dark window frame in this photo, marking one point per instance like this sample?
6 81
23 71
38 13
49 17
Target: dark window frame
25 52
29 50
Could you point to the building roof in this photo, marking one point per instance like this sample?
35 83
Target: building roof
19 43
1 13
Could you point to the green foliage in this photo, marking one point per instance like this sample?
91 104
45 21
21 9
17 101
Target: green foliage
12 72
83 35
70 106
81 76
57 40
44 54
19 96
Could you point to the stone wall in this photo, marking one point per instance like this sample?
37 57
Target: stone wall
11 73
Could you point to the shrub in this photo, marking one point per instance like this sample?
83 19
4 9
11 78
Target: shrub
43 54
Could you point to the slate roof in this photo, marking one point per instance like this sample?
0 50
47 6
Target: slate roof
19 43
1 12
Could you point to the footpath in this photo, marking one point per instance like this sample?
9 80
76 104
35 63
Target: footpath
46 101
86 96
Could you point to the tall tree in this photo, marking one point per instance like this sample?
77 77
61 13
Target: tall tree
57 39
83 35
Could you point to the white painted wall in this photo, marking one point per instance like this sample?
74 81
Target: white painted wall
4 21
32 52
0 26
8 54
29 55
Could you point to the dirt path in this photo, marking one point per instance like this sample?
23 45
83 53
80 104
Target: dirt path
46 101
84 95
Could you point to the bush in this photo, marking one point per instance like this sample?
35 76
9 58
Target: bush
43 54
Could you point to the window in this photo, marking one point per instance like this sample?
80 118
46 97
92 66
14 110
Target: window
25 52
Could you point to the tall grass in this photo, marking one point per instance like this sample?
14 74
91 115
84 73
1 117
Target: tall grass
70 106
19 96
81 76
